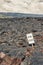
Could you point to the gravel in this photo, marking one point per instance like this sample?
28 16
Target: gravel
13 39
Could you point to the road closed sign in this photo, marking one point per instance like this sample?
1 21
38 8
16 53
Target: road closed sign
30 38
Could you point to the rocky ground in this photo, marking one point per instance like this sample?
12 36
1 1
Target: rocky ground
13 41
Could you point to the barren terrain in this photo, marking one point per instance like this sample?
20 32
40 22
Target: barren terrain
13 41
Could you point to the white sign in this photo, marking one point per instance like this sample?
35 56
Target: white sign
30 38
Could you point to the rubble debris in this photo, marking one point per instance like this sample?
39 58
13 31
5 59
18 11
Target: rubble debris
28 52
20 43
2 55
13 40
41 50
21 56
16 61
1 60
7 60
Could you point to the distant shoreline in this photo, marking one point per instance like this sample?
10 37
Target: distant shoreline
19 15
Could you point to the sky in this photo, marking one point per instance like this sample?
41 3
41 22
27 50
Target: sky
22 6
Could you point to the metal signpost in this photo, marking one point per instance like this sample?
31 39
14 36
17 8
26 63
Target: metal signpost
30 38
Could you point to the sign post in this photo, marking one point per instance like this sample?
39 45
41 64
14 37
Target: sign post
30 39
